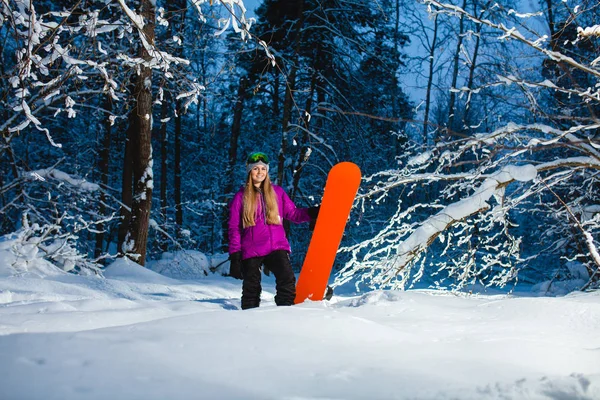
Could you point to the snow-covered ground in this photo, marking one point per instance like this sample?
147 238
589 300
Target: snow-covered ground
135 334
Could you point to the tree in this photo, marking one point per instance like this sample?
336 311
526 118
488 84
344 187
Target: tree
141 141
332 94
493 183
63 61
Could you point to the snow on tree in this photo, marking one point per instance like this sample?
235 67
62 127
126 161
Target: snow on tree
488 189
69 55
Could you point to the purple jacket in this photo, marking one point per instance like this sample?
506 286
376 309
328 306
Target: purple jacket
261 239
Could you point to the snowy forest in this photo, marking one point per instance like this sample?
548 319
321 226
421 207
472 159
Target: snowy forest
126 125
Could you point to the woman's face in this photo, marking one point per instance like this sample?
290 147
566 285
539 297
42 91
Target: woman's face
258 174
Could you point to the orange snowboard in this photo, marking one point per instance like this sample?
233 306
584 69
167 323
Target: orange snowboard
340 189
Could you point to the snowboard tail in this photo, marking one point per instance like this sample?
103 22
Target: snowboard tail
340 190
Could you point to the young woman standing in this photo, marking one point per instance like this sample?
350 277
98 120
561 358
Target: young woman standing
257 237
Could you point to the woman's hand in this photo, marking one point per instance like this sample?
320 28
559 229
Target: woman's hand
313 213
235 265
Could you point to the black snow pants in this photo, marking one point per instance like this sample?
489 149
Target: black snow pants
279 263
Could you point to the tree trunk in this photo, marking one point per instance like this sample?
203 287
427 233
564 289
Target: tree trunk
551 26
466 122
287 112
451 105
289 90
177 168
177 10
142 145
275 94
164 156
303 155
127 183
430 78
103 168
275 119
236 128
205 115
7 223
396 58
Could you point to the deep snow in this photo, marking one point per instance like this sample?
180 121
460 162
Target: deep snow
135 334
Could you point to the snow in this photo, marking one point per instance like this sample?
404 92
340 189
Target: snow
524 15
420 158
53 173
436 224
589 241
589 31
136 334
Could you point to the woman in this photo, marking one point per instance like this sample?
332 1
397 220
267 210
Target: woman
257 237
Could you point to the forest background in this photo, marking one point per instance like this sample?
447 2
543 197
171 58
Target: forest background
125 126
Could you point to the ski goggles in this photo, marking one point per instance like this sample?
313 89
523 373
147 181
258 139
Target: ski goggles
257 157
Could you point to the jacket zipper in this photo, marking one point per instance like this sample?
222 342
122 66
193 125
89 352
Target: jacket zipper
263 205
264 210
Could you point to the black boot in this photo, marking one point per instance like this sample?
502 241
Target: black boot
279 263
251 287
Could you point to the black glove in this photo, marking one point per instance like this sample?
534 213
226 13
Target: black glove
266 270
235 265
313 213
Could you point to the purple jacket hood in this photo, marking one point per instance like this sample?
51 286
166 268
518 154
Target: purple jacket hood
262 239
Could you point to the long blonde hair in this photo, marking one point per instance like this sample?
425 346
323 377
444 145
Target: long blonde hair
251 202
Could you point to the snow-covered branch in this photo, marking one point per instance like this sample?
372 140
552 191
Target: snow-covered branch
513 33
47 63
589 31
463 217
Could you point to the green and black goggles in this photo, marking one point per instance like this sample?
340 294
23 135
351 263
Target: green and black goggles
256 157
